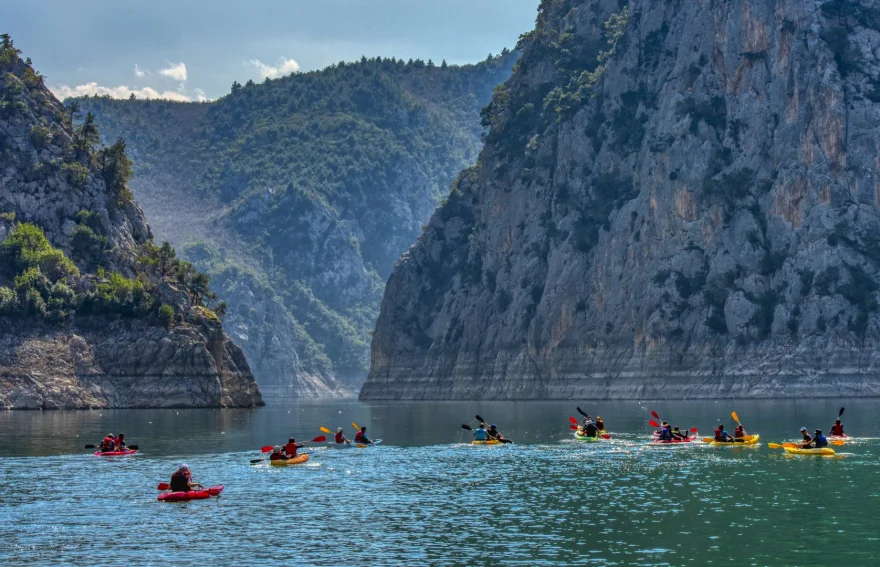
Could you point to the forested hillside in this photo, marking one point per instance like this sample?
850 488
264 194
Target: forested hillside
297 195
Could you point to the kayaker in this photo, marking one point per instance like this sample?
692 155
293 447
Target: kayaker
591 430
665 432
119 442
277 454
181 480
340 436
807 441
677 435
739 433
108 445
291 447
721 435
361 437
493 433
600 424
837 429
820 440
480 433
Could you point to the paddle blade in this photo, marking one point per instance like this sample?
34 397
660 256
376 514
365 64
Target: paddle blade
324 430
708 439
91 447
606 436
774 446
582 412
653 423
836 442
133 447
656 416
255 461
480 419
735 417
694 430
163 486
466 427
355 425
840 413
319 439
267 449
573 420
573 427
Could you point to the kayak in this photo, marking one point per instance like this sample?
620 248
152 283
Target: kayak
675 441
191 495
580 437
747 440
298 460
488 442
115 453
825 451
353 445
365 445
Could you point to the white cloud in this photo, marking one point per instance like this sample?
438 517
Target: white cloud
138 72
200 95
283 66
63 91
176 71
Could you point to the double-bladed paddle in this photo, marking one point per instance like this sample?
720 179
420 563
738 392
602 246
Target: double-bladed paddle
466 427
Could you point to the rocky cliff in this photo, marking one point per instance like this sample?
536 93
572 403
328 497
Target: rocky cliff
298 194
677 199
92 313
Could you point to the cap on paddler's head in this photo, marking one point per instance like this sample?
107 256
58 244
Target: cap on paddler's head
803 429
493 426
339 429
182 467
819 431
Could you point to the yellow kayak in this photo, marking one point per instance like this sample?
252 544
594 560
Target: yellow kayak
289 462
747 440
824 451
489 442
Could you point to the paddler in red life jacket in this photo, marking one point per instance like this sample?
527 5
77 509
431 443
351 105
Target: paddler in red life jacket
361 437
837 429
108 444
739 433
181 480
340 436
120 442
721 435
807 441
277 455
291 448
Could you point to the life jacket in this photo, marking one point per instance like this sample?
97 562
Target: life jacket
739 432
480 434
359 437
277 457
180 482
600 425
718 434
837 430
591 430
290 449
821 441
119 443
340 436
108 445
665 434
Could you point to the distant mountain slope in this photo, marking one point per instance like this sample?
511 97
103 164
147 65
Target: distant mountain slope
298 194
676 199
92 313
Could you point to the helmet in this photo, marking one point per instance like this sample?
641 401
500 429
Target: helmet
182 467
819 431
339 430
803 429
493 426
598 418
277 448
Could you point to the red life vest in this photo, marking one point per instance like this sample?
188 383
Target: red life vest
107 445
290 449
339 437
359 437
837 430
739 432
718 433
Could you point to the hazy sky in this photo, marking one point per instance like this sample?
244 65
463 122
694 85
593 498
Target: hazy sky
193 48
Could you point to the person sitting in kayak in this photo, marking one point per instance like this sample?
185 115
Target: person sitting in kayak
277 454
291 447
590 430
340 436
820 440
181 480
480 434
678 435
739 433
807 441
119 442
361 437
493 433
665 433
837 429
721 435
108 445
600 424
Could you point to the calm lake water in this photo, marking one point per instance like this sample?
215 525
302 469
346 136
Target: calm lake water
425 497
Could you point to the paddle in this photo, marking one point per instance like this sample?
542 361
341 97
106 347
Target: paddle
466 427
324 430
573 420
355 425
573 427
502 440
163 486
319 439
653 423
582 412
840 413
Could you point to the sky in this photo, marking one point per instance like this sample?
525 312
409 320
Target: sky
195 49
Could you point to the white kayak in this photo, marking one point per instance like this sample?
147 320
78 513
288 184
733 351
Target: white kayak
353 445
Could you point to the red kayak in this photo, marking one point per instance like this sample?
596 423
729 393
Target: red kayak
115 453
191 495
673 441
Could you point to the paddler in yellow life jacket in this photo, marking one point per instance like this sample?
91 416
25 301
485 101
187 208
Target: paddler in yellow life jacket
677 434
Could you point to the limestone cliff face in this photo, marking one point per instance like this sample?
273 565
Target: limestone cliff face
677 199
80 322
